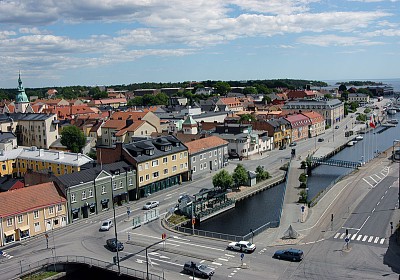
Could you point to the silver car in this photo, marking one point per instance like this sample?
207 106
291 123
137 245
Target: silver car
150 205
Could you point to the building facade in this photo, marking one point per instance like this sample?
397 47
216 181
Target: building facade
206 155
95 189
30 211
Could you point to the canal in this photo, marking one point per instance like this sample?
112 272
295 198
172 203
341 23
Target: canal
264 207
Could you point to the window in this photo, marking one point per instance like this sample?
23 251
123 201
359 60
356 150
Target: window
59 207
103 189
146 166
51 210
4 167
185 154
120 184
155 174
35 214
90 192
154 163
140 179
166 171
174 168
9 222
140 167
165 160
83 195
37 226
173 157
194 159
73 197
130 181
210 154
201 166
181 155
181 166
114 185
201 157
20 219
186 165
147 177
205 165
194 169
215 153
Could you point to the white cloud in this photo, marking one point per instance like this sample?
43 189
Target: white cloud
383 32
335 40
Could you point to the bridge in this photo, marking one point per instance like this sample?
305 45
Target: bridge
335 162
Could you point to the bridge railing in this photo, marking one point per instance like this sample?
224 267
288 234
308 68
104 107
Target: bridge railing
26 269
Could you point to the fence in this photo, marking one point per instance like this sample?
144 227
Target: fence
26 269
283 194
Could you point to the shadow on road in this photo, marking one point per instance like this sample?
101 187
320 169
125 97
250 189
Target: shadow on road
392 255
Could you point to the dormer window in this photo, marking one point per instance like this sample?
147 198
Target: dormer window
150 152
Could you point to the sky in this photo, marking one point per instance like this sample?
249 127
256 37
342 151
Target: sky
115 42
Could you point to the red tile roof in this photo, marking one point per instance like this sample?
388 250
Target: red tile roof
29 199
205 144
130 128
128 115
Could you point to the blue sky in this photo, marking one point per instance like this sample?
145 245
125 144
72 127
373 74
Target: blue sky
105 42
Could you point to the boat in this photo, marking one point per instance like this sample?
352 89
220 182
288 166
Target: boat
393 121
391 111
359 137
351 143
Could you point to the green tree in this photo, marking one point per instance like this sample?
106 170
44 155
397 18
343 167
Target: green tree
222 88
100 95
249 90
94 91
345 95
161 99
136 101
328 96
247 117
240 175
266 99
342 88
261 174
222 180
73 138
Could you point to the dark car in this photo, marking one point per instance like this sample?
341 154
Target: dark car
337 127
282 147
289 254
320 139
292 144
200 270
112 244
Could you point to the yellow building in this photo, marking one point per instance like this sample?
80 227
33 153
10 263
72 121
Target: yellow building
18 161
160 163
31 211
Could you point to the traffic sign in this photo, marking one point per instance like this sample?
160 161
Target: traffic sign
164 235
302 208
241 256
347 240
193 221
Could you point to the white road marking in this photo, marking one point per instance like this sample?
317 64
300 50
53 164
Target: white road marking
382 197
378 203
382 240
180 238
376 240
171 194
378 176
164 261
373 210
368 183
336 235
365 238
363 224
229 255
386 192
225 260
215 263
370 239
343 234
202 261
353 237
359 237
154 253
373 179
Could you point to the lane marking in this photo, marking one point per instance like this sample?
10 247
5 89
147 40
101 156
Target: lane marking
373 210
376 240
373 179
363 224
382 197
365 238
382 240
368 183
370 239
180 238
359 237
378 203
353 237
336 235
229 255
217 263
378 177
225 260
343 234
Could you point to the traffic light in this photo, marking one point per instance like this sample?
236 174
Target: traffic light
347 232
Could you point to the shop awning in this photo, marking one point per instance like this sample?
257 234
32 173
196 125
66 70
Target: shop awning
91 205
104 201
24 228
8 233
75 210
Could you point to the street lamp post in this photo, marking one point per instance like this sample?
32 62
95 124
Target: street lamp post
115 224
54 245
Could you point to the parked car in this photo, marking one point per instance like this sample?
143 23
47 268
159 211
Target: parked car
337 127
321 139
293 144
289 254
242 246
150 205
282 147
106 225
200 270
112 244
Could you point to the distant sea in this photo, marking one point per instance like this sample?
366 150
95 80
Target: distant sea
395 83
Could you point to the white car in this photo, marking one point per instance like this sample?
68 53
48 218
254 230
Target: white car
242 246
106 225
150 205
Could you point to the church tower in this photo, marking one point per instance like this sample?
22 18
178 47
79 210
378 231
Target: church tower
21 100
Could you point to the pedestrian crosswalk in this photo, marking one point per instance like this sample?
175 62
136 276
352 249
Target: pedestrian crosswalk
4 254
360 238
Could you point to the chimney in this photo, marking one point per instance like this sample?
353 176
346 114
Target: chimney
41 152
60 154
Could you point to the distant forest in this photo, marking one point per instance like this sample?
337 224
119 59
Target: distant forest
360 83
71 92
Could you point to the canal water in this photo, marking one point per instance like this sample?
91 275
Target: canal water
264 207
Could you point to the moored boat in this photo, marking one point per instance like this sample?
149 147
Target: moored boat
359 137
